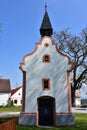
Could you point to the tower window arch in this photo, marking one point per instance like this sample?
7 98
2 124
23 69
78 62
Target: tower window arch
46 58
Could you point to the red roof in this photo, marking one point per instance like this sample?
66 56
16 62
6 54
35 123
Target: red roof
13 91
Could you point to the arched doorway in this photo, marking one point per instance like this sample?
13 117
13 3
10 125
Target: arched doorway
46 111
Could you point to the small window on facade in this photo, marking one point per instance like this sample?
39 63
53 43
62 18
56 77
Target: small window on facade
46 58
15 101
45 84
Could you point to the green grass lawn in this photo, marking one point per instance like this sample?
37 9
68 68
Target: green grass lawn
10 109
80 124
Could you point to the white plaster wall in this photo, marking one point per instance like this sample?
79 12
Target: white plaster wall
56 70
18 102
17 96
4 98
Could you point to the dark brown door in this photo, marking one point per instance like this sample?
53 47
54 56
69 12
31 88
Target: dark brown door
46 111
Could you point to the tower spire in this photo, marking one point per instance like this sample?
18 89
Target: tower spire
46 27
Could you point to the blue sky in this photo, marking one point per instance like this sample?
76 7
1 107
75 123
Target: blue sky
20 31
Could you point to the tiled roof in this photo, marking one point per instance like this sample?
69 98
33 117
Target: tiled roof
13 91
5 86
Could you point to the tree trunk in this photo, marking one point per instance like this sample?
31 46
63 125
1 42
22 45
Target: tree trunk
72 96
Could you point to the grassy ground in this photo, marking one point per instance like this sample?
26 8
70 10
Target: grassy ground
80 124
9 109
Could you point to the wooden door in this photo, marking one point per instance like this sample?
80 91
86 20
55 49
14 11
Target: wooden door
46 111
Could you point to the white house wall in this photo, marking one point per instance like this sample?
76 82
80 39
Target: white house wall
4 99
17 96
56 71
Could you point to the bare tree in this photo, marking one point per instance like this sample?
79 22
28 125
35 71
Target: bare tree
76 48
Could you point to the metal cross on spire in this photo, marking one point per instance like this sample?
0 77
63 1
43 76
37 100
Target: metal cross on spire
45 7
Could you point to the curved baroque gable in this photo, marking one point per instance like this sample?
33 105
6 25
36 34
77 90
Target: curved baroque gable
45 42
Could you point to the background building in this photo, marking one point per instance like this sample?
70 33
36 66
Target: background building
16 96
77 99
4 92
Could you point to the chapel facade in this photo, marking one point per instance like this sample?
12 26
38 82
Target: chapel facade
46 83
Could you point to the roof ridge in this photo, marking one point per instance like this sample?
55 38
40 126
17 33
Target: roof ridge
13 91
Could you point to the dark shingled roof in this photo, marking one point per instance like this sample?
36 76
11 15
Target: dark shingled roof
5 86
46 27
46 24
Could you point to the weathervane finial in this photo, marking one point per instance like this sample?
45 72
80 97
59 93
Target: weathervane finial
45 7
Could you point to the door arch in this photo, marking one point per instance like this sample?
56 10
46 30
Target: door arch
46 111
